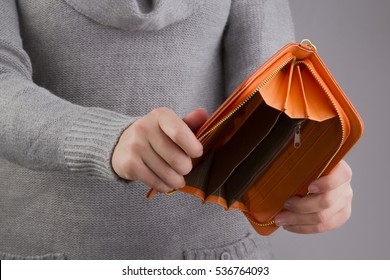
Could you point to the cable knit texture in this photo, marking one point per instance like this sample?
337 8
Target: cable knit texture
74 74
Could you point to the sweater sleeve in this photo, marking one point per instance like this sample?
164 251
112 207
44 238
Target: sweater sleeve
41 131
255 30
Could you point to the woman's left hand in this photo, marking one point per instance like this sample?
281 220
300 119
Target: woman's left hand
327 207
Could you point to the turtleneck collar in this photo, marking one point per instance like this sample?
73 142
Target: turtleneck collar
135 15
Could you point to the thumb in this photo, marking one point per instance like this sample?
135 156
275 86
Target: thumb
195 119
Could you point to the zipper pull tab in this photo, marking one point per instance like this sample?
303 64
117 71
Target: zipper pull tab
297 136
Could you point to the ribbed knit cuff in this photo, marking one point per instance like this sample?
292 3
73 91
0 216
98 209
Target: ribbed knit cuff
90 142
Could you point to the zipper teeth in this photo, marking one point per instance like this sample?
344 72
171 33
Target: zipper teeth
231 113
267 224
337 112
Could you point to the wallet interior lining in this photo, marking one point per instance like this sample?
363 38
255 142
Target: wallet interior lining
236 164
320 140
234 152
261 157
199 175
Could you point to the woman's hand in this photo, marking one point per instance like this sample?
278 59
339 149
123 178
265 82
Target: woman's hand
157 149
327 207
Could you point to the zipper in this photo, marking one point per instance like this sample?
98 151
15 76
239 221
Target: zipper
267 224
297 136
228 116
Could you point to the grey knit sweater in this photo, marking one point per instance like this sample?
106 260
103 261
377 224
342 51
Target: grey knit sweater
73 75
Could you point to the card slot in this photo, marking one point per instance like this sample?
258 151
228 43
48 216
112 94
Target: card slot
279 193
276 166
247 137
289 158
260 158
297 170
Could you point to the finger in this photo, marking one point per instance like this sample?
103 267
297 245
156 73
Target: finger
172 154
320 217
148 177
317 202
179 132
337 221
339 175
196 119
129 165
162 170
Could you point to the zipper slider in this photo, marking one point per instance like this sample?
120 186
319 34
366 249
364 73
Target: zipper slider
297 136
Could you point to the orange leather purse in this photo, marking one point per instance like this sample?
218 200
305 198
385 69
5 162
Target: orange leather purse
286 125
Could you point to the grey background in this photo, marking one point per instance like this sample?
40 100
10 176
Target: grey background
353 38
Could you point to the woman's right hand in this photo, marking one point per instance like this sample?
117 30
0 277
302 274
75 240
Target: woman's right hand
157 149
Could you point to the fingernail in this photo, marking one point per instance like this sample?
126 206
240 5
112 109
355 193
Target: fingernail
287 204
314 189
199 151
280 221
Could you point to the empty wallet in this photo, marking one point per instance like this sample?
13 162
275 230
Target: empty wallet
285 126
